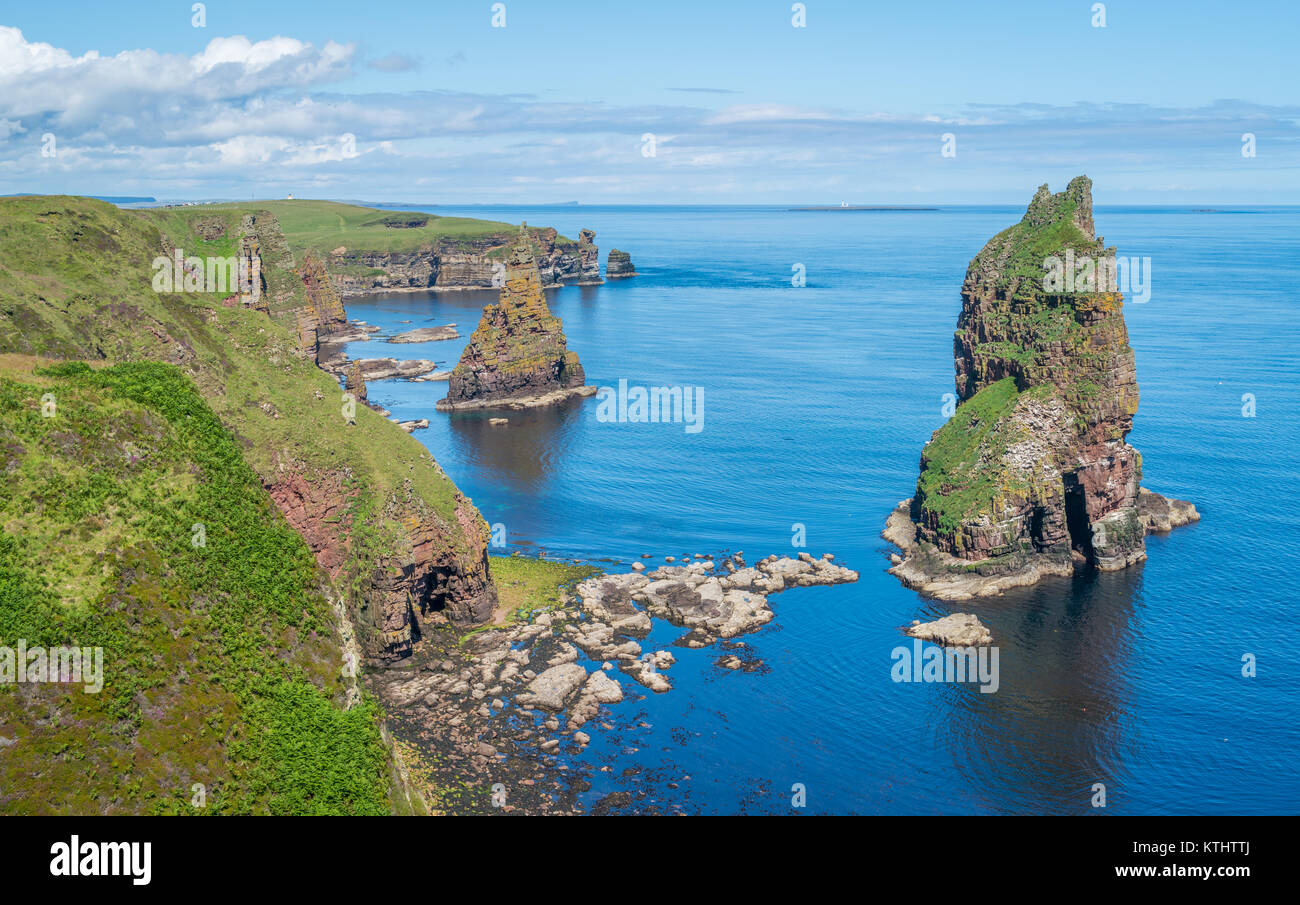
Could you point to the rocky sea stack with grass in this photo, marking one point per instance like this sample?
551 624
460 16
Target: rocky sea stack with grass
517 357
1032 475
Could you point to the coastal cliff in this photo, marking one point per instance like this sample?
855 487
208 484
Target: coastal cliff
396 539
460 263
1033 475
517 355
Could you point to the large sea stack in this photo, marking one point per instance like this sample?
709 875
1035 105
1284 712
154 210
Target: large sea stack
517 356
1032 475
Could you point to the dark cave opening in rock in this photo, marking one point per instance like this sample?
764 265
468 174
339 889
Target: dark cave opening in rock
1077 523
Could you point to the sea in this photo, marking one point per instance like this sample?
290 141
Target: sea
821 341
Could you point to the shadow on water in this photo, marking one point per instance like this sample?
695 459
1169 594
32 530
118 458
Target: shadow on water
522 455
1058 722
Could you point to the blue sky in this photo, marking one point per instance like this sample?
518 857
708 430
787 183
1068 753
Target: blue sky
429 102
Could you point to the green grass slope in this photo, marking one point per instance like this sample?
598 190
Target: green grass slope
220 665
323 226
76 283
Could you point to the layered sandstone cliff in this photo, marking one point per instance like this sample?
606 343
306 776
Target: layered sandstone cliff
518 354
324 313
619 265
463 264
1033 475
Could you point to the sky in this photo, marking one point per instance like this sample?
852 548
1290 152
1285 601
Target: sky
548 101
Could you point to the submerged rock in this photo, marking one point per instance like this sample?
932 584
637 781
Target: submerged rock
1032 475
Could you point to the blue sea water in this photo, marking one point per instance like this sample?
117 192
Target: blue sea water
817 401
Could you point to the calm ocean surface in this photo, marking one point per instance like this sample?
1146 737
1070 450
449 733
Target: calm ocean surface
817 401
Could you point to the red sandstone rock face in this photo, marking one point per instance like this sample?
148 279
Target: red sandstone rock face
324 311
422 574
464 264
315 510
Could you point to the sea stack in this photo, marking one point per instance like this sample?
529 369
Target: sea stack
618 265
517 356
588 259
354 382
1032 475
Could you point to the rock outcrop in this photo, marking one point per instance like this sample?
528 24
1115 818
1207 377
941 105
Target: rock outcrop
355 382
618 266
588 259
1032 475
428 570
427 334
323 314
517 356
463 264
731 603
957 630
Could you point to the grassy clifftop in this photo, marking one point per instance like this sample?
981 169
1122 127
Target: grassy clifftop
322 226
76 282
390 532
132 523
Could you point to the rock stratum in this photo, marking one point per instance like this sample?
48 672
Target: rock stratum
463 263
517 356
1033 476
618 266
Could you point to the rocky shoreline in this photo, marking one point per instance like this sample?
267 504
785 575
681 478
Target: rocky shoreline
923 567
506 707
515 403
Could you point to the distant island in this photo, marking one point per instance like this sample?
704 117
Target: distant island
858 207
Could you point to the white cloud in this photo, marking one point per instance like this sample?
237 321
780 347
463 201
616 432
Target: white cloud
245 117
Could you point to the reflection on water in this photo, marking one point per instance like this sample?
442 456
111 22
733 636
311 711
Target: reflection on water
522 454
1057 724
